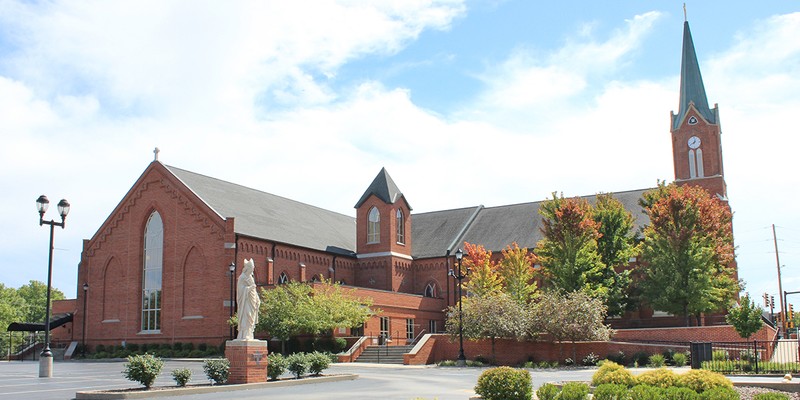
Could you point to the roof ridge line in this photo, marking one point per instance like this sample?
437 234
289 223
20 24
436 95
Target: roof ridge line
464 229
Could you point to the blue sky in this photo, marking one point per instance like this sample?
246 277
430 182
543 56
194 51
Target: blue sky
465 103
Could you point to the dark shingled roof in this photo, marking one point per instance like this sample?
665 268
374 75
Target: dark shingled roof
267 216
262 215
692 89
497 227
384 188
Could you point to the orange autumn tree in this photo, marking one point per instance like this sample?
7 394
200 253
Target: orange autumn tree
688 249
484 278
517 274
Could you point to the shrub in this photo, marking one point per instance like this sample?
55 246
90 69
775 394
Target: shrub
680 393
475 363
447 363
177 346
182 376
101 354
165 346
143 369
771 396
656 361
679 359
590 359
640 359
747 355
569 361
133 348
202 347
505 383
618 357
298 364
318 362
668 354
611 372
720 393
276 365
719 355
646 392
196 354
701 380
548 391
611 391
99 348
339 344
661 377
574 391
216 369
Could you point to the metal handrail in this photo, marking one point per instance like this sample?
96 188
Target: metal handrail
413 341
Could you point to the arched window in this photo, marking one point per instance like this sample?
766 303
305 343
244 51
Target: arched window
696 164
401 227
151 275
283 278
374 226
430 290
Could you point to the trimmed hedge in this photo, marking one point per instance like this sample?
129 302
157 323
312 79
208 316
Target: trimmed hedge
505 383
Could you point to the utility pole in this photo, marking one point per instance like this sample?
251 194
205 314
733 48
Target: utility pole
780 285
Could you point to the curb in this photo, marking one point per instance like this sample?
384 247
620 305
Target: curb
148 394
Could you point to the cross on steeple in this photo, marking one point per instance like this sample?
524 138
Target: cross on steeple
155 152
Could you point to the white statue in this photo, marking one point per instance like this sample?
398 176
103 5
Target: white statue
248 301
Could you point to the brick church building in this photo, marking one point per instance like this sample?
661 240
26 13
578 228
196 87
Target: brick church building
158 267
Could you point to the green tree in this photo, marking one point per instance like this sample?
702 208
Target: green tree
572 317
35 296
616 245
745 317
296 308
11 310
517 274
688 250
494 316
568 252
484 279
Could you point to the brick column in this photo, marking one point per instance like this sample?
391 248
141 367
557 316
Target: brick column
248 360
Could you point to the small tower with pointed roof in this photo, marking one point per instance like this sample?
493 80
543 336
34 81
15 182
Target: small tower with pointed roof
696 133
383 233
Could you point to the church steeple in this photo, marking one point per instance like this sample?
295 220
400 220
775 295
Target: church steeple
692 89
696 133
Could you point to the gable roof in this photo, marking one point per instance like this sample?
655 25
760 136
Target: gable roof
267 216
263 215
692 89
497 227
384 188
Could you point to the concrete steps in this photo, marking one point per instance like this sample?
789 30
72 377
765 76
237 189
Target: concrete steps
384 354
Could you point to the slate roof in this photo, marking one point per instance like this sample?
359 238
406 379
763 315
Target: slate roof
496 227
263 215
384 188
692 88
267 216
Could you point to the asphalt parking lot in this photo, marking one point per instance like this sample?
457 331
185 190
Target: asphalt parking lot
19 380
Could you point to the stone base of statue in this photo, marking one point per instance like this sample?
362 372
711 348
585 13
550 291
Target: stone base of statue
248 360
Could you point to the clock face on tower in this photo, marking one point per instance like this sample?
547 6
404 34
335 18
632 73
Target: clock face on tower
694 142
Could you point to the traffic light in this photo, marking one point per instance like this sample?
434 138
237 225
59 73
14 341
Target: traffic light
791 312
772 301
766 299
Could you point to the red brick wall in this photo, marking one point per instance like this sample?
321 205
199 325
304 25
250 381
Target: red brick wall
712 153
512 352
720 333
194 276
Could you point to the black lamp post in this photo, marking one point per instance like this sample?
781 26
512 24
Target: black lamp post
232 271
459 276
46 358
83 334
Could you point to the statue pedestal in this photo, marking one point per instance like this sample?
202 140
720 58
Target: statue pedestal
248 360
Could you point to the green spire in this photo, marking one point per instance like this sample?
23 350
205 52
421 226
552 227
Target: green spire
692 89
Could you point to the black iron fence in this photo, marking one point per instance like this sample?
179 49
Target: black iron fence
756 357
